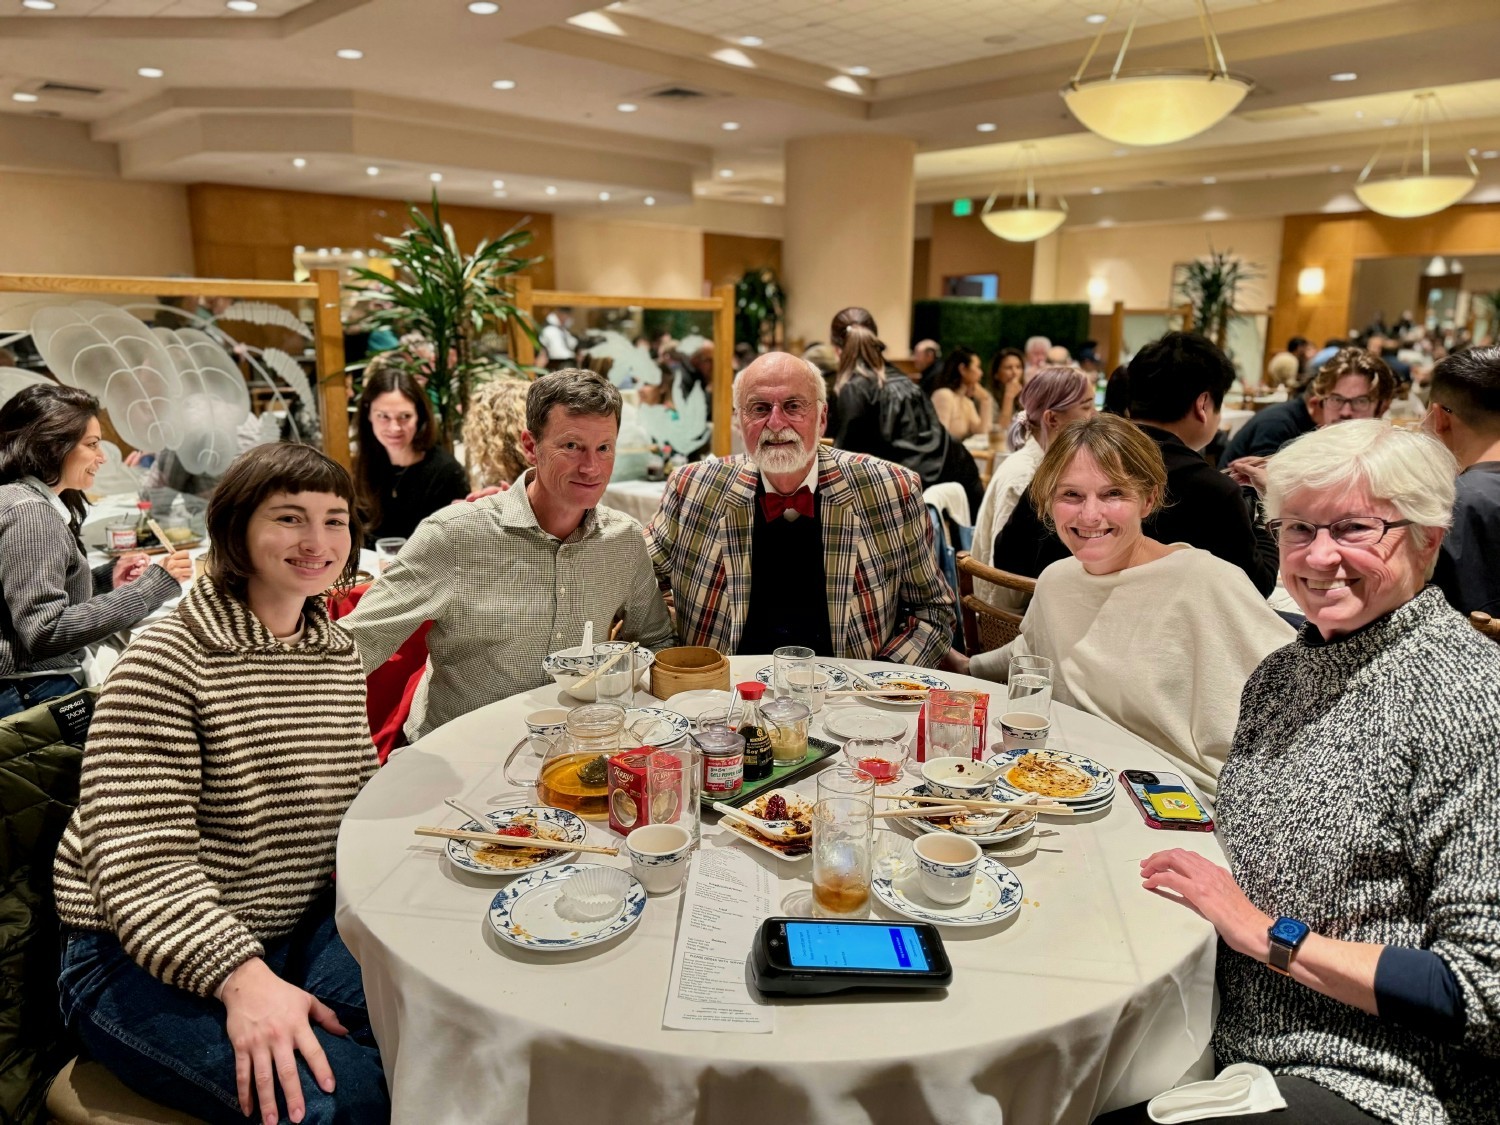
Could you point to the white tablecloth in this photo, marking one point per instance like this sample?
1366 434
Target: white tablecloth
1097 994
637 498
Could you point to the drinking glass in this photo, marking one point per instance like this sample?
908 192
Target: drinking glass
949 719
674 781
1029 687
792 665
846 783
386 551
617 685
881 758
842 847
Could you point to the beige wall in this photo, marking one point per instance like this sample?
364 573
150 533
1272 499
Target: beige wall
964 245
631 259
1136 261
66 224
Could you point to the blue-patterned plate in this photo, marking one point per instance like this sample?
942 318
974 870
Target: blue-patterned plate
525 913
838 679
997 895
981 838
896 675
562 824
655 726
1102 777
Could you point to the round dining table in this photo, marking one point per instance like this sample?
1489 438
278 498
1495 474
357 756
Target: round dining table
1094 995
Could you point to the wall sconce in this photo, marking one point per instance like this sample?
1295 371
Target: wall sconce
1310 281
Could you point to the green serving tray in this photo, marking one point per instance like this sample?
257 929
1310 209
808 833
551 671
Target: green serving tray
818 752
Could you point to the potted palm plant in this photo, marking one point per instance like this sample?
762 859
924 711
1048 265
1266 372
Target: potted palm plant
1211 286
443 299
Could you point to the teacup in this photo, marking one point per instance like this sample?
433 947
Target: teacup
1022 730
956 778
809 687
945 867
659 856
547 723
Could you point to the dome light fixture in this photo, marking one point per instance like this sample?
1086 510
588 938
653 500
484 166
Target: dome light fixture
1025 220
1409 193
1142 108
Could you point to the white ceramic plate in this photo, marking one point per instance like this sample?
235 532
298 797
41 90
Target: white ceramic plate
1103 777
568 825
693 705
748 835
525 913
655 726
935 826
837 677
910 703
997 895
847 723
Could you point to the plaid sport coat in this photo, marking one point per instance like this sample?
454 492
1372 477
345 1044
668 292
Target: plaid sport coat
886 598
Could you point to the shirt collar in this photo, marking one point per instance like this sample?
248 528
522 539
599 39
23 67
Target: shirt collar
517 507
52 498
810 482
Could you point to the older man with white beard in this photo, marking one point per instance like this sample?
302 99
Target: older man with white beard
796 544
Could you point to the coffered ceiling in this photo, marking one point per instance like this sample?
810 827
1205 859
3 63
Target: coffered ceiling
672 100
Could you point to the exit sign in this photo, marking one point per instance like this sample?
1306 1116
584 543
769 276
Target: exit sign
962 207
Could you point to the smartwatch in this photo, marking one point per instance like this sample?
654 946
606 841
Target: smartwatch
1286 934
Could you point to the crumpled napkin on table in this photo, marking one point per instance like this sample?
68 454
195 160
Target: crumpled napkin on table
1241 1088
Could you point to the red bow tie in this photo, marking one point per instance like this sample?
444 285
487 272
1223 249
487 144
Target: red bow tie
799 503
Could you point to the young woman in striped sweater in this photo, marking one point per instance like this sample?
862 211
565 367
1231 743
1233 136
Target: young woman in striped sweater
193 881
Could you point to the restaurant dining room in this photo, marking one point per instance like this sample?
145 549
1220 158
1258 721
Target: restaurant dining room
867 562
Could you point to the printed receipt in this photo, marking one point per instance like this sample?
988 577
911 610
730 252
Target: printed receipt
728 895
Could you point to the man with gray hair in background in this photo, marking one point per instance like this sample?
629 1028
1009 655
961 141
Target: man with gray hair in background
513 576
797 543
1465 416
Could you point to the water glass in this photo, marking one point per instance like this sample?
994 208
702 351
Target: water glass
617 684
846 783
792 667
949 725
674 784
842 857
1029 686
386 551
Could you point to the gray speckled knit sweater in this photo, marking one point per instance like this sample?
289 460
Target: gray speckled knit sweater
1362 795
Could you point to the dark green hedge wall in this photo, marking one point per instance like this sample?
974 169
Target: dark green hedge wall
988 326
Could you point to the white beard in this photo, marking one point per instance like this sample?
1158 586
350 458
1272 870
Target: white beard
780 458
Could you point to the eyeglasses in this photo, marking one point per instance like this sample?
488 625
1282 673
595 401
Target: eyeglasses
1358 402
1351 531
794 408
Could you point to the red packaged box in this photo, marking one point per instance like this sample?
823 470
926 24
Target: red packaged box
629 800
979 701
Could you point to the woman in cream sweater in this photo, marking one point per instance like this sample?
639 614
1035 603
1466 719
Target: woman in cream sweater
959 397
1157 638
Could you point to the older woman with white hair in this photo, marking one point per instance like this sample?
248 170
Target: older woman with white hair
1361 912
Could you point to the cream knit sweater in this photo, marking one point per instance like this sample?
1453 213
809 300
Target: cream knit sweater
1162 649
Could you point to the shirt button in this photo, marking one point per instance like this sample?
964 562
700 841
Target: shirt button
564 590
558 635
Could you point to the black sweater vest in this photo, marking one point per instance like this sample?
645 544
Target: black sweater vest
788 599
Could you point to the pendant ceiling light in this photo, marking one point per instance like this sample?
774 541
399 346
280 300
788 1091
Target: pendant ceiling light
1407 193
1025 220
1155 107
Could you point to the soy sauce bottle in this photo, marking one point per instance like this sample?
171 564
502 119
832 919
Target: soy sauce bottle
757 737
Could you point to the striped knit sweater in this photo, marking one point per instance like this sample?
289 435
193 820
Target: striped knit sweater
1360 796
217 769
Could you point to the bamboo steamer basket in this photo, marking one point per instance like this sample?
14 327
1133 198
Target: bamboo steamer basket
690 668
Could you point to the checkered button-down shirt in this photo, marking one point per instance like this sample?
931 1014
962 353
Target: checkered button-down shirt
886 597
501 594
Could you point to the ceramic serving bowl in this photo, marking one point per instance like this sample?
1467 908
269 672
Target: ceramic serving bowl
955 778
568 666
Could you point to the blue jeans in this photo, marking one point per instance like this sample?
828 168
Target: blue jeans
18 695
170 1045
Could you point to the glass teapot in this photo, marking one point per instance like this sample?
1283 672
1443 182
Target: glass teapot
573 774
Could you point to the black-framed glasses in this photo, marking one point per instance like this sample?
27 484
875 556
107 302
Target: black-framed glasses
1351 531
1358 402
794 408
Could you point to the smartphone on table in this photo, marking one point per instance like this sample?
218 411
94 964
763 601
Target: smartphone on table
812 956
1164 801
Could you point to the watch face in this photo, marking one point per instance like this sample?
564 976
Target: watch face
1289 930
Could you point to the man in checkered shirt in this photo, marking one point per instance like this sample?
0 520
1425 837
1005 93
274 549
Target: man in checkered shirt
796 544
514 576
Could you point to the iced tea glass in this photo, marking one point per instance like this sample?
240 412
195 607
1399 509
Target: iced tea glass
843 853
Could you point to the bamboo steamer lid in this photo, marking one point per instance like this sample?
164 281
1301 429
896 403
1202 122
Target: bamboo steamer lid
689 668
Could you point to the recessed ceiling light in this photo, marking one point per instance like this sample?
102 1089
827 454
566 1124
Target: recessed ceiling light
1358 113
150 71
497 184
299 162
859 71
725 173
1096 191
484 8
299 249
1335 168
241 5
436 177
732 56
768 199
1489 154
1343 76
750 41
501 194
372 171
502 84
1210 179
986 126
38 5
730 126
627 107
350 53
604 197
650 201
23 96
1095 17
550 189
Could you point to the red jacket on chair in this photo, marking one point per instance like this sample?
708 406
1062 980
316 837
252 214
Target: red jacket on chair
391 688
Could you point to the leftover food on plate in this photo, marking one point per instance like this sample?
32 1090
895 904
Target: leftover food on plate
1048 777
902 685
507 857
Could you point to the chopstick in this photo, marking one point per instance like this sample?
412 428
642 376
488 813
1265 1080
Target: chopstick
880 691
943 810
968 803
604 666
161 537
513 841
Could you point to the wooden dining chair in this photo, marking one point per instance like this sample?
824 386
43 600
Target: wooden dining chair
987 627
1486 624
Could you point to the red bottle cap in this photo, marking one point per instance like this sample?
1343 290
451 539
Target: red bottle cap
752 690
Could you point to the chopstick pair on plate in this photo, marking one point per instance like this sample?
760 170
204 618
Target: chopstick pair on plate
513 841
